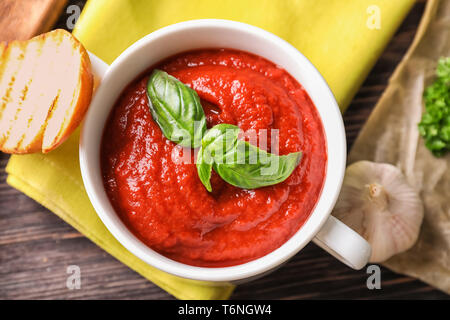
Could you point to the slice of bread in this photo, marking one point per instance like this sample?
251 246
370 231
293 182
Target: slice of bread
46 86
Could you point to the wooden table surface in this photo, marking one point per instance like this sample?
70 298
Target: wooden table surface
21 20
36 246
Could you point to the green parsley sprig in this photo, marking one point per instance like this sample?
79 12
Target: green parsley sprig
435 124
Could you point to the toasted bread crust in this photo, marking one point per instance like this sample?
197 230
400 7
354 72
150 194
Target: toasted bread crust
46 86
3 46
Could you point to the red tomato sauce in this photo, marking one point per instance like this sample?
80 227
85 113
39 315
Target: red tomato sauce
163 201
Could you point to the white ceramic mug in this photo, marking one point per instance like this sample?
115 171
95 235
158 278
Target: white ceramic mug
322 228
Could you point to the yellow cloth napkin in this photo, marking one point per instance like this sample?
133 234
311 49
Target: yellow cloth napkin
340 37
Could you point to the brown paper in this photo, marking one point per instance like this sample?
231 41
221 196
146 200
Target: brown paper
391 135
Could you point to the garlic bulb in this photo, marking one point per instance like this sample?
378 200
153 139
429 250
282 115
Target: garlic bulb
377 202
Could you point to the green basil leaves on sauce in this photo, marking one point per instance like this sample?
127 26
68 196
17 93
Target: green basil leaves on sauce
176 108
220 138
239 163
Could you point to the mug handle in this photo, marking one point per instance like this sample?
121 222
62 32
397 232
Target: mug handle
343 243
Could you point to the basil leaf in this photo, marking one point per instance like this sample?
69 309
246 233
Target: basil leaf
220 138
204 171
176 108
254 168
217 140
240 163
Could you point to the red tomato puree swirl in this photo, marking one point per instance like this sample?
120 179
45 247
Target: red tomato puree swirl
163 202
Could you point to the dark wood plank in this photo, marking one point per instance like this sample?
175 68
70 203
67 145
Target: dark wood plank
36 246
21 20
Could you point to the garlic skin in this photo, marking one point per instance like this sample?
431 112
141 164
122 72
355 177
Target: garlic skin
377 202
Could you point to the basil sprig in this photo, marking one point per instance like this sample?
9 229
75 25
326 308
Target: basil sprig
176 108
239 163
